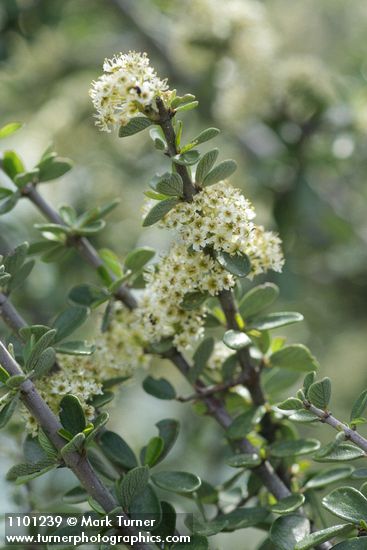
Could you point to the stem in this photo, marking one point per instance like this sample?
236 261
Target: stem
327 418
77 462
217 410
165 122
10 315
252 373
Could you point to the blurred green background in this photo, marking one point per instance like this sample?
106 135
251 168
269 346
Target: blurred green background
286 83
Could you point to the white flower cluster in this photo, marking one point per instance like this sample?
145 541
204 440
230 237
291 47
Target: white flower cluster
177 274
119 351
254 74
221 218
128 87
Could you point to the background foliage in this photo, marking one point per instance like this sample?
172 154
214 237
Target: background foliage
289 92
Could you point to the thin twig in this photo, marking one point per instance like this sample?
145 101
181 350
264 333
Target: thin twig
211 390
327 418
77 462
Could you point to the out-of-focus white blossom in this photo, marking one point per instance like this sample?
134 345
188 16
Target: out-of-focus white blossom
128 87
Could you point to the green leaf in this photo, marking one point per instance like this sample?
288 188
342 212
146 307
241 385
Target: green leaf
151 453
16 258
303 417
102 399
242 518
159 387
23 178
9 129
75 347
98 424
207 494
360 473
193 300
245 422
158 138
299 447
352 544
133 483
187 106
75 495
287 531
7 204
207 528
32 450
234 339
359 406
170 184
159 211
221 172
39 347
294 357
90 229
244 460
21 275
88 295
276 380
187 158
111 260
342 453
4 375
14 382
68 214
7 412
177 482
76 444
309 379
72 414
44 362
201 357
52 168
237 264
288 504
135 125
146 504
69 320
5 193
168 429
319 393
22 473
117 450
322 479
46 445
347 503
138 258
100 464
206 163
318 537
56 253
276 320
291 404
206 135
179 100
257 299
12 164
